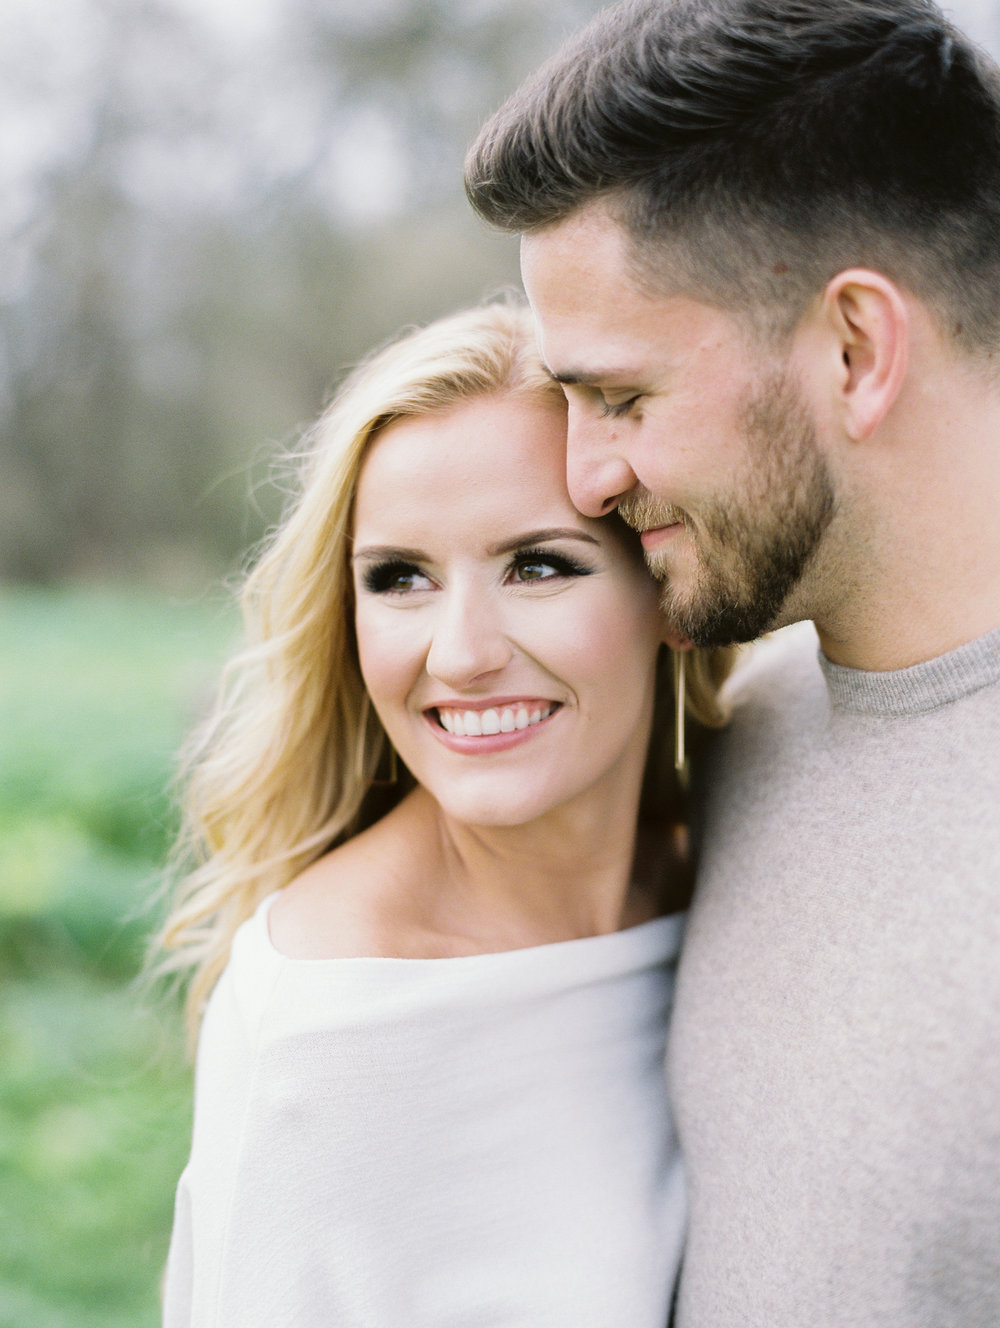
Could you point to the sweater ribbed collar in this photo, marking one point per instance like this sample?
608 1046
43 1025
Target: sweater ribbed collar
936 682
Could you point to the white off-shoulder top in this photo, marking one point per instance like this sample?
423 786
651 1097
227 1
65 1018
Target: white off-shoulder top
469 1142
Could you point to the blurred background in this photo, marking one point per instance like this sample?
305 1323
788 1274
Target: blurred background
208 210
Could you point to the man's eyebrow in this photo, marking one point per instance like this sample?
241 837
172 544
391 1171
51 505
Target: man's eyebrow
532 537
581 377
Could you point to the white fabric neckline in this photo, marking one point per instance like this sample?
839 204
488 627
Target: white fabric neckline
657 939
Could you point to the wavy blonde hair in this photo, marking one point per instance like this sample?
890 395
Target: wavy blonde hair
285 767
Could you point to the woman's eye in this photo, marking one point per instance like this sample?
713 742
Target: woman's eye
546 567
395 578
535 571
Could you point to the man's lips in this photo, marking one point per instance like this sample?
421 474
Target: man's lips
656 536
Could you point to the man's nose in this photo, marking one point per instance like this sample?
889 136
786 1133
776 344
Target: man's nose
597 474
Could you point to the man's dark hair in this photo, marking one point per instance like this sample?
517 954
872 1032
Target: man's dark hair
752 149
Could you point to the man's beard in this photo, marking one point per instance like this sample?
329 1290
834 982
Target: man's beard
753 546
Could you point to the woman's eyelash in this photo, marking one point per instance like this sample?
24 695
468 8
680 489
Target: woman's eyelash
396 576
383 578
561 563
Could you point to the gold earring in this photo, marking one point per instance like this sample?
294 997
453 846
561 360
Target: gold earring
360 750
680 691
393 770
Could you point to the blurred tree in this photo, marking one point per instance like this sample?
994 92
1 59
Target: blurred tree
209 210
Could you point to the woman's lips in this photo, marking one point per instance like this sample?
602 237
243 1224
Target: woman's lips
489 728
464 723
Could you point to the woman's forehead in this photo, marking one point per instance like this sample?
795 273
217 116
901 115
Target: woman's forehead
504 439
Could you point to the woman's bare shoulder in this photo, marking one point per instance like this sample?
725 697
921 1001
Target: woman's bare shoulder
326 913
356 901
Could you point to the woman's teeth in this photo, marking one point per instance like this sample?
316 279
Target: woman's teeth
483 723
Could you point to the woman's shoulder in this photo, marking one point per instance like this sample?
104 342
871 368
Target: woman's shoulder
360 900
329 911
339 909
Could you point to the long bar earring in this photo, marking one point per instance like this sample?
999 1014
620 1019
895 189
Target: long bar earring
362 741
393 769
680 696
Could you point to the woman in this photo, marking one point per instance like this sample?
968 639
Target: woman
430 1077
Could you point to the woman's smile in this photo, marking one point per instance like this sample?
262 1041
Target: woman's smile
485 721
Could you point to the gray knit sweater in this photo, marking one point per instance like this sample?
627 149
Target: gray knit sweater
835 1051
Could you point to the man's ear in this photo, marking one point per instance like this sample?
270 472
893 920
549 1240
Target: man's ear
869 317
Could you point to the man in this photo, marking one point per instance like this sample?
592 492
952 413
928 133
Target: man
762 243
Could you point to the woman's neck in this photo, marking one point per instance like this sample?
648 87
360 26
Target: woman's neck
567 875
419 885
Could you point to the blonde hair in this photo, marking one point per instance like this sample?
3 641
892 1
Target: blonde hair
285 768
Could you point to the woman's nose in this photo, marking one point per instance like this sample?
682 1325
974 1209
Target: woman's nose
468 640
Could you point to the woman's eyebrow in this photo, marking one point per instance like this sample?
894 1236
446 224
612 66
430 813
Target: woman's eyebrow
541 537
371 551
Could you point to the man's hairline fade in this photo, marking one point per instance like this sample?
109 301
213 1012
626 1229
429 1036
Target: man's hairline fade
946 258
667 266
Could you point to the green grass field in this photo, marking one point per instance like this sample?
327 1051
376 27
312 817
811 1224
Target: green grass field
96 691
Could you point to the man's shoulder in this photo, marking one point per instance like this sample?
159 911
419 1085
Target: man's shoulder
776 697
